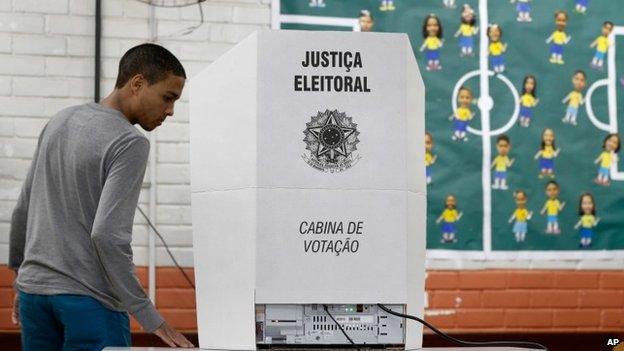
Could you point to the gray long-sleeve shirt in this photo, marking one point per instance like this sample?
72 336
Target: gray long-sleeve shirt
72 226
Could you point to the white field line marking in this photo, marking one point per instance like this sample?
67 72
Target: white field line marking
352 23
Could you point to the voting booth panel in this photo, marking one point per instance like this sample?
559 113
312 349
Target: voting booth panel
307 177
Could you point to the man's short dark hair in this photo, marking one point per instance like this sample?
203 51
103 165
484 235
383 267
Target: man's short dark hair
152 61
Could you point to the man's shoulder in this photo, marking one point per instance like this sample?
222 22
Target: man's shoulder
93 124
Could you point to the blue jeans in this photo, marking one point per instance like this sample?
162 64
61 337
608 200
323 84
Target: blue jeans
70 322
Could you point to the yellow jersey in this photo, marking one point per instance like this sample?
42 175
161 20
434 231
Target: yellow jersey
588 221
548 152
497 48
463 114
428 159
553 207
559 37
433 43
602 44
501 163
466 30
521 214
527 100
605 158
575 99
450 216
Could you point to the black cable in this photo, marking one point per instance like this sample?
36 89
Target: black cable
162 4
167 248
185 31
340 327
98 52
462 342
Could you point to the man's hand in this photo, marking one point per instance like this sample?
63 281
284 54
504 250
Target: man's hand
171 336
15 317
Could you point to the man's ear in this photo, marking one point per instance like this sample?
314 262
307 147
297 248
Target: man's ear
136 83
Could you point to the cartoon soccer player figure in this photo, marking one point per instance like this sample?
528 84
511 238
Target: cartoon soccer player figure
501 162
449 217
559 38
552 207
521 215
387 5
587 220
547 153
462 114
528 100
602 45
467 30
449 4
316 3
610 147
430 158
497 48
432 33
523 7
366 21
581 6
575 98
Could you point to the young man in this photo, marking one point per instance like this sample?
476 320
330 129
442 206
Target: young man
72 226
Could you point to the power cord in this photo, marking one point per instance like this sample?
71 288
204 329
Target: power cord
447 337
178 4
340 327
171 3
175 262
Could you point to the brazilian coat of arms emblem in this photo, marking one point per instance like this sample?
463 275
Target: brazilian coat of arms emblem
331 137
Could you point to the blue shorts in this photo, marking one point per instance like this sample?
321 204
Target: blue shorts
502 175
526 111
552 219
603 171
448 227
523 7
547 163
497 60
599 55
466 41
70 322
520 227
460 126
572 110
432 55
427 171
556 49
583 3
586 233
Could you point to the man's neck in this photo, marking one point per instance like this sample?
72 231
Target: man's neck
114 101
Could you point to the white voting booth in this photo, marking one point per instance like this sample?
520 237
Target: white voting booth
308 180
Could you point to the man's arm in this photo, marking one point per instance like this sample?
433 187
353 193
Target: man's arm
19 219
112 234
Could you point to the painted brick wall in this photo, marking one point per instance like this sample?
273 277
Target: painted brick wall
458 301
